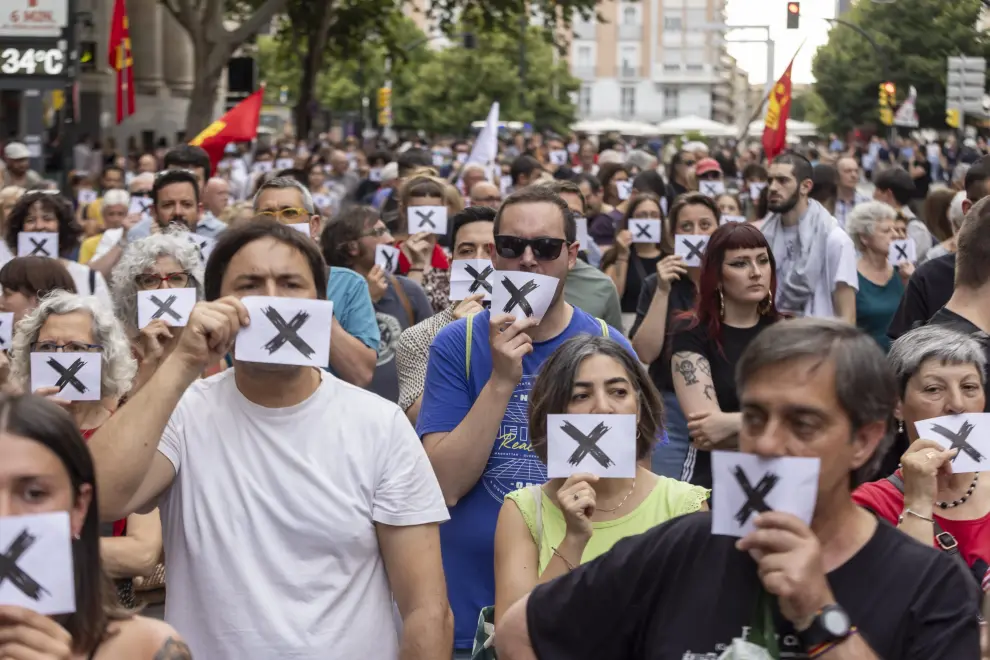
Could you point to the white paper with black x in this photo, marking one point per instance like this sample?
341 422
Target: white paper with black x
744 485
583 239
204 244
624 189
284 164
469 277
690 248
968 432
732 218
6 330
902 250
37 244
173 306
286 331
387 257
322 201
644 230
301 227
139 205
755 188
522 294
711 188
262 167
431 219
86 196
558 157
602 445
77 375
36 568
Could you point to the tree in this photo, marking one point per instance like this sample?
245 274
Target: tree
916 37
808 106
213 45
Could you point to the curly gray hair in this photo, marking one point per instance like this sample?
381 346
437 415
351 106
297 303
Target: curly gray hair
139 257
863 219
118 365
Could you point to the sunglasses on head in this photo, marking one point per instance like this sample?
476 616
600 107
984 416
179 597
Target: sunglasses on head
513 247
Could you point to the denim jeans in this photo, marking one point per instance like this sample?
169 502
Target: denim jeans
668 459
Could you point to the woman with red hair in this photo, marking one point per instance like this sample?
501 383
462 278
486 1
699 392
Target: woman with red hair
734 304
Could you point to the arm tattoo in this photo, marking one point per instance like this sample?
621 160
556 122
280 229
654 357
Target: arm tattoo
710 392
173 649
685 368
705 366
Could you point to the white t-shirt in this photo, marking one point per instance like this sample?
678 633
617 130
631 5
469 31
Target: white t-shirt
269 526
840 267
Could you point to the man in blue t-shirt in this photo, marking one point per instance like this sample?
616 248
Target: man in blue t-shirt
473 416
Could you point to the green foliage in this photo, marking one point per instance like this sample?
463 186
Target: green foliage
916 37
809 106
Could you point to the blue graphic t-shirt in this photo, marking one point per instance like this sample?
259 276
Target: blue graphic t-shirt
467 540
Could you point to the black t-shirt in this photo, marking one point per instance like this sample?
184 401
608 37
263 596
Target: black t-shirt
678 592
637 270
723 367
928 289
680 299
961 324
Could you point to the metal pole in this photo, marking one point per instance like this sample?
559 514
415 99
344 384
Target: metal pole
69 129
522 60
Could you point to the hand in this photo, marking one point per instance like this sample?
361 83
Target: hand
377 283
129 222
29 635
905 269
51 393
155 341
925 466
709 429
4 368
669 269
468 306
510 343
210 332
418 249
622 242
576 499
789 562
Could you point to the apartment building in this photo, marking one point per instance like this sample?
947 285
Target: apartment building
653 60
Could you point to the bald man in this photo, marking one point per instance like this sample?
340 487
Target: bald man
216 196
472 174
485 194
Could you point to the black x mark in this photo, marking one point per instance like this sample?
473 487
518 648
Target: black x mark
588 444
388 260
958 439
755 497
165 308
39 247
694 250
480 279
901 252
643 230
426 219
9 570
67 375
518 296
287 332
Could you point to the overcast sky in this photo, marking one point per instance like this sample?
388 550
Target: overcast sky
753 57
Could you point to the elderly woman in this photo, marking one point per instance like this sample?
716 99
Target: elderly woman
544 531
160 261
421 259
940 372
881 286
114 207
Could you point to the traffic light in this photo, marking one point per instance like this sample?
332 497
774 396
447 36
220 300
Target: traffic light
385 107
888 95
891 90
793 15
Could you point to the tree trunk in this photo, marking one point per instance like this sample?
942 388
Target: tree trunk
316 43
202 101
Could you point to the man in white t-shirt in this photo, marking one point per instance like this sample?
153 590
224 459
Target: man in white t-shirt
816 259
294 506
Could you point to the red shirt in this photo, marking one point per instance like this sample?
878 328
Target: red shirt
119 526
973 536
439 260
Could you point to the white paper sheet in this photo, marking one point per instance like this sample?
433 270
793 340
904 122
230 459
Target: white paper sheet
432 219
387 257
37 244
286 331
86 196
755 188
624 189
139 205
969 432
733 218
262 167
690 248
902 250
41 578
284 164
582 232
711 188
522 294
558 157
602 445
204 244
744 484
77 374
322 201
6 330
644 230
173 306
301 227
469 277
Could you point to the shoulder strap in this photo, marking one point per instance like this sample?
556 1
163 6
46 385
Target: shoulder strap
403 298
92 282
537 492
946 541
604 327
467 346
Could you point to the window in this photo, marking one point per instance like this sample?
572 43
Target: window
585 57
629 58
670 102
584 101
672 56
694 56
672 23
628 102
696 18
629 16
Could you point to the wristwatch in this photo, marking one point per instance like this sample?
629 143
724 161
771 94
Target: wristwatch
830 625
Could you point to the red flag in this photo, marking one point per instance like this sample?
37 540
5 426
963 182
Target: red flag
121 60
239 124
778 110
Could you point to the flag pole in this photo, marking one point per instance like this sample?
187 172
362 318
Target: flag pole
766 97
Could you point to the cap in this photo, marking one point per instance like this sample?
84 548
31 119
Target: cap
16 151
706 165
390 172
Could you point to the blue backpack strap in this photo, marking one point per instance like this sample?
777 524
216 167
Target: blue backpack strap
467 345
604 326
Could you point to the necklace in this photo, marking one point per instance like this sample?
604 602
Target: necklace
961 500
623 500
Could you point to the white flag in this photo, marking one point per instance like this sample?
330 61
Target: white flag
485 151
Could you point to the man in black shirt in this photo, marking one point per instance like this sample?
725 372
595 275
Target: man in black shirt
847 587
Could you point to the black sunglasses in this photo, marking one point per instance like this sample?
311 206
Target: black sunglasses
513 247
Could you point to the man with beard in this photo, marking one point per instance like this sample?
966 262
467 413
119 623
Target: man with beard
175 200
816 259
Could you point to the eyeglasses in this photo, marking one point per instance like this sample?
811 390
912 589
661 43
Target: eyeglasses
284 214
714 175
377 232
687 163
150 281
67 347
513 247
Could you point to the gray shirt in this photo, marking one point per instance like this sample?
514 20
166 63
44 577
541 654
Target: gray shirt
390 312
208 227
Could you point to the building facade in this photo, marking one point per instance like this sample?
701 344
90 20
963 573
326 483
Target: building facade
653 60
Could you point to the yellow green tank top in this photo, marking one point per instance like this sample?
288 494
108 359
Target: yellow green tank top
669 499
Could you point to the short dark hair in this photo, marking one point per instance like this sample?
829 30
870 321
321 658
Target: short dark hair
413 159
973 247
650 181
237 236
566 187
111 168
187 155
36 276
171 177
898 182
348 226
69 231
535 195
755 171
976 179
466 217
801 165
524 165
590 179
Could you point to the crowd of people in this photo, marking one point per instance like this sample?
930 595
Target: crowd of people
397 503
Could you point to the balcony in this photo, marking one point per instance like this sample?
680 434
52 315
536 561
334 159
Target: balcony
586 72
630 32
686 74
584 29
628 72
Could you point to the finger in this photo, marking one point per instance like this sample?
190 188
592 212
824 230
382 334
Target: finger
242 311
476 298
27 638
921 444
768 541
699 416
15 614
232 315
47 391
785 521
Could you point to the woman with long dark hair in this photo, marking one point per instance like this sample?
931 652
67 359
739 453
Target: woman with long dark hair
628 263
734 304
46 468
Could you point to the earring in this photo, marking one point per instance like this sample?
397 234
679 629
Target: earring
900 427
721 304
766 305
77 537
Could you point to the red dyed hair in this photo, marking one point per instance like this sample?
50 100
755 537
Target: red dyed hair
730 236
